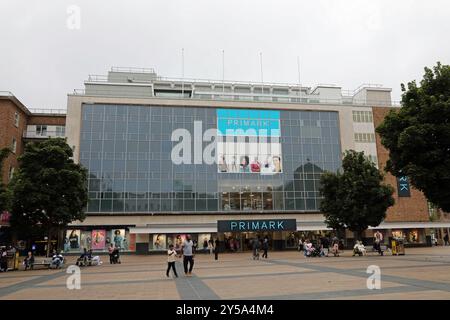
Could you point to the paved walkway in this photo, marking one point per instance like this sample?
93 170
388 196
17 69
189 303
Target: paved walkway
423 273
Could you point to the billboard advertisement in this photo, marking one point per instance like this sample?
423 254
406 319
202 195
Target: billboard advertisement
248 141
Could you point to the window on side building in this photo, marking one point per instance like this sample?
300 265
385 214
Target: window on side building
16 119
14 145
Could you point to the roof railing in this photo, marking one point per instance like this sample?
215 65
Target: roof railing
47 111
133 70
235 96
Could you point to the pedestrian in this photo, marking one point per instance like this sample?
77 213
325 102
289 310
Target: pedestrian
300 245
378 239
265 247
446 243
216 250
110 252
3 260
256 245
188 255
210 246
29 261
171 255
325 245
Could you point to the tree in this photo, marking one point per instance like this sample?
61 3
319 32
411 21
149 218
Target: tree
4 195
418 136
355 198
49 190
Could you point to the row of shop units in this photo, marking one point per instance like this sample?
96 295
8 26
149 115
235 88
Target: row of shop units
237 235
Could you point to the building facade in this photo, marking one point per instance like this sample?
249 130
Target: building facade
221 160
19 125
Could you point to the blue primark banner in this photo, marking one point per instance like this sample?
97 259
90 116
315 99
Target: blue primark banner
403 187
256 225
248 122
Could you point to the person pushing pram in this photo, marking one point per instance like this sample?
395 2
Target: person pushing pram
256 246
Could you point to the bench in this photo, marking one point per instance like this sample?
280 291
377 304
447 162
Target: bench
371 250
46 262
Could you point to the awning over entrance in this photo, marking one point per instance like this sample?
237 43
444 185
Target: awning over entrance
175 228
412 225
301 226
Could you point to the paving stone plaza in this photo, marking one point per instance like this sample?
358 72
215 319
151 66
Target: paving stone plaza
423 273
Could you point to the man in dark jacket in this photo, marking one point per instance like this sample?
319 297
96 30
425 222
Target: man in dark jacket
216 249
265 247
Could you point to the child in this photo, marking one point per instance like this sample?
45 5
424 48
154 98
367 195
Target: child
171 254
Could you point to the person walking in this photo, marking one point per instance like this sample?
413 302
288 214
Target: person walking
210 246
300 245
378 239
325 245
171 255
188 255
446 243
265 247
256 245
216 249
110 252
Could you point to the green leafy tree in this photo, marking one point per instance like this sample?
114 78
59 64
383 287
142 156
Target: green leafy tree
4 195
355 197
49 190
418 136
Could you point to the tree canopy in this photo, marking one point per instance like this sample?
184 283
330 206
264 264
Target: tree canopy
49 190
418 135
355 197
4 196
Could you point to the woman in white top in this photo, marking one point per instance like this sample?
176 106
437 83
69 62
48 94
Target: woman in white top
171 255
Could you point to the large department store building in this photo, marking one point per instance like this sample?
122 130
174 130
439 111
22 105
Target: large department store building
270 144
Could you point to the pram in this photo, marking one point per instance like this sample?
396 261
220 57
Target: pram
255 254
313 252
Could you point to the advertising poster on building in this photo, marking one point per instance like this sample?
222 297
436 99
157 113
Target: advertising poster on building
159 241
98 239
203 240
86 240
118 238
72 240
179 239
248 141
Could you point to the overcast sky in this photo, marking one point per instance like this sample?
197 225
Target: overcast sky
345 42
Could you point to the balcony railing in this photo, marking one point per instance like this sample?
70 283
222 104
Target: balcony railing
32 134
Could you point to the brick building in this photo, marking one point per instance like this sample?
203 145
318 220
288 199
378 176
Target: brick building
19 124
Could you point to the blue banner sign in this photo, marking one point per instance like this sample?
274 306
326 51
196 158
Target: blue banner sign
256 225
403 187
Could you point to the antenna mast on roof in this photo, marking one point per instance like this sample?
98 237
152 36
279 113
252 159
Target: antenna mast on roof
182 72
223 70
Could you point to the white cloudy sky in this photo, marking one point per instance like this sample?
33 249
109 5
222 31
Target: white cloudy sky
344 42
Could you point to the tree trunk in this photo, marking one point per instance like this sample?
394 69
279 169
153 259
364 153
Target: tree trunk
60 240
49 241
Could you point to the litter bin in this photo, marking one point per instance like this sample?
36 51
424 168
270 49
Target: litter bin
398 247
12 260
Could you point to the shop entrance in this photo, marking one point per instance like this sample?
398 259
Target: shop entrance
242 241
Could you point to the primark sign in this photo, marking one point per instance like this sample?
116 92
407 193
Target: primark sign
256 225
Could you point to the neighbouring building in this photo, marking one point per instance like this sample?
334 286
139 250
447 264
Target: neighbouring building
18 125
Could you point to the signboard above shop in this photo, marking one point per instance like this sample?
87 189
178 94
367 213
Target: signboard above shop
256 225
403 187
